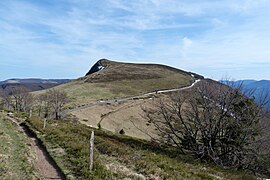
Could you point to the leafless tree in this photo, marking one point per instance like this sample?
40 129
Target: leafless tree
213 121
27 102
21 99
6 101
43 104
51 103
57 100
39 105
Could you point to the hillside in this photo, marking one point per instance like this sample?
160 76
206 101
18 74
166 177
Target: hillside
117 80
17 159
107 71
261 87
31 84
110 100
121 157
113 81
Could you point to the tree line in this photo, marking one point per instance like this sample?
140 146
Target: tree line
48 104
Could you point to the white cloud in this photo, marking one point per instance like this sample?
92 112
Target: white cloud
186 42
187 34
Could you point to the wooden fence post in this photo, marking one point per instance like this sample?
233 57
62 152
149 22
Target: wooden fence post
45 120
91 157
30 113
44 123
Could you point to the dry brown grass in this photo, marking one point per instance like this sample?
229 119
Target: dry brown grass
116 71
114 117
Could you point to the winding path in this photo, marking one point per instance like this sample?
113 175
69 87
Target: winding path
44 163
111 101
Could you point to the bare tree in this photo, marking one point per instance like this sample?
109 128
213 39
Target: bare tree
51 103
39 104
6 101
21 99
57 100
213 121
43 104
27 102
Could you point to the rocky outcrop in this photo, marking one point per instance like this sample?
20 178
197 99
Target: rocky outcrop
96 67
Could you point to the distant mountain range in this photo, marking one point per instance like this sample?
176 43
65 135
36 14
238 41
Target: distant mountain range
31 84
260 87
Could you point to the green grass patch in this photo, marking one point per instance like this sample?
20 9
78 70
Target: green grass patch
81 92
119 156
16 156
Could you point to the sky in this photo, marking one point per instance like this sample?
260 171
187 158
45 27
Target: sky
64 38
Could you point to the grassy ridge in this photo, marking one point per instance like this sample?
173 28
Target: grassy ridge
81 92
119 80
118 71
117 157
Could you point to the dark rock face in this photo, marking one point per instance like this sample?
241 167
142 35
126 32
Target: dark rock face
122 131
95 68
197 76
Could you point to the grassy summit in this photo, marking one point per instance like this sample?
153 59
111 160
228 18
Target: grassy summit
111 80
118 71
118 79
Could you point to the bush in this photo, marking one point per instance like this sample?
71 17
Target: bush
215 123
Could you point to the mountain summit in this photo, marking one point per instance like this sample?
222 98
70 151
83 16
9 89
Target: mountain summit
107 71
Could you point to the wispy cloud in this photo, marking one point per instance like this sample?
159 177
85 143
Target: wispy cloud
210 37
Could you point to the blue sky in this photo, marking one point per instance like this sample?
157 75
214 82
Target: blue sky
63 38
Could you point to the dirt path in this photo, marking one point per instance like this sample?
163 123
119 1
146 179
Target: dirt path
112 101
44 163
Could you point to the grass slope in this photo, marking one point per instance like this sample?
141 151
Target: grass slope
16 157
115 117
115 71
119 157
118 80
124 79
